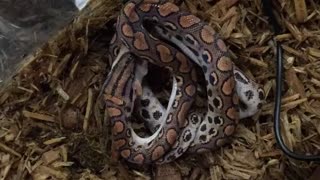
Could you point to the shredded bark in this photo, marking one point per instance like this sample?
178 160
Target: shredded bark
53 124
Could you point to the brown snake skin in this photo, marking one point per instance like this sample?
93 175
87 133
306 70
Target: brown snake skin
185 39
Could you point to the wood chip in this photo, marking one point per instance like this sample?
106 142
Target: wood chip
301 10
5 148
54 140
50 156
167 171
50 101
38 116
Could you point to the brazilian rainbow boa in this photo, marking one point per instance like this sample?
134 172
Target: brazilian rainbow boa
158 32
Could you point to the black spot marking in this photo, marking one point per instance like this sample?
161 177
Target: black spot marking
249 94
194 119
212 131
243 105
145 102
187 136
205 57
259 105
240 78
157 115
203 127
211 108
195 52
210 119
261 95
179 37
179 79
213 79
170 26
218 120
145 114
205 69
216 102
179 93
190 40
203 138
180 151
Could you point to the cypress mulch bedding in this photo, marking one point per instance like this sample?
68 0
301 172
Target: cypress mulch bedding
53 123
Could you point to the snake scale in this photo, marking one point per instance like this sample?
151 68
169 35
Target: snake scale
160 33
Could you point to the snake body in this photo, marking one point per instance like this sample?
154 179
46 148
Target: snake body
247 90
182 39
130 146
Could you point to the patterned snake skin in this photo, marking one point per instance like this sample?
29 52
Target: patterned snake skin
160 33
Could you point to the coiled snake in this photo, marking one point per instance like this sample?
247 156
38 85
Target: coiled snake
159 32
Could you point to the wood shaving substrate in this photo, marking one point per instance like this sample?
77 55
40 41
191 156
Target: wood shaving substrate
52 127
